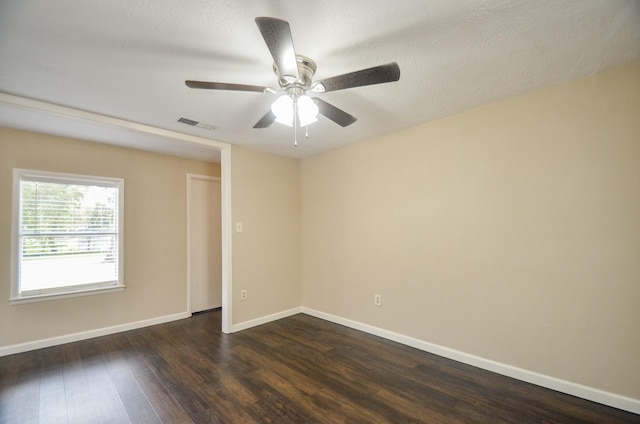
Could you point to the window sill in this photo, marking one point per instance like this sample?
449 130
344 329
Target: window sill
64 295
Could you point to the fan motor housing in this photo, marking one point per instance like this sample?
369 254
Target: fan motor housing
306 71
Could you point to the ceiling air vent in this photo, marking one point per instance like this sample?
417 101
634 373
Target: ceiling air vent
196 124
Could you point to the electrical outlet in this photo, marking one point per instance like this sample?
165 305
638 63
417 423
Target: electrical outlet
377 299
243 295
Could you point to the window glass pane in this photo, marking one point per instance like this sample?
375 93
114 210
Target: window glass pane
69 261
68 234
62 208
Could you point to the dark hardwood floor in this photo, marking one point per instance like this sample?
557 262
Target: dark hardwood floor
296 370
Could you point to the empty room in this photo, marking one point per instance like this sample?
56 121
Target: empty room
365 211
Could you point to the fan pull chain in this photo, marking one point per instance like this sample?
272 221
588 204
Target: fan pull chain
295 122
306 132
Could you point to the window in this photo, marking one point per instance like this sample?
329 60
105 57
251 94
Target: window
67 235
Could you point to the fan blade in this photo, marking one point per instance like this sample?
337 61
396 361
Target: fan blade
224 86
376 75
277 35
338 116
266 120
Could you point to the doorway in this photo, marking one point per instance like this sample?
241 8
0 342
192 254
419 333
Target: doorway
204 240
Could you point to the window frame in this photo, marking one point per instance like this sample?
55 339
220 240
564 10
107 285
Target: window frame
62 292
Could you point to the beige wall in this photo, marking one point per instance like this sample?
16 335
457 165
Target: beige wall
155 235
266 255
510 232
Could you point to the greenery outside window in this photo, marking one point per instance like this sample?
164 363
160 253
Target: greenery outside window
67 235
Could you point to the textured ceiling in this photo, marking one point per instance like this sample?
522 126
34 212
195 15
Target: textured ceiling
129 60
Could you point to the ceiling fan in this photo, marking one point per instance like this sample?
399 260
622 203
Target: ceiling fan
295 77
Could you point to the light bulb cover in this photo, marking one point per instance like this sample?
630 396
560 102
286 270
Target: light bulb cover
307 111
282 108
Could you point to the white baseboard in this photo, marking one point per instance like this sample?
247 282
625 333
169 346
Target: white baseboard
83 335
265 319
574 389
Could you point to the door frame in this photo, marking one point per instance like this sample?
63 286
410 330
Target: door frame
225 213
190 178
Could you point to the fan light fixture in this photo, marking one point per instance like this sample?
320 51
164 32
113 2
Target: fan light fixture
286 107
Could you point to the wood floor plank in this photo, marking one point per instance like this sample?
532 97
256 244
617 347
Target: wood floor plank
53 401
164 404
103 390
26 399
8 383
138 408
296 370
81 406
419 408
304 383
343 409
